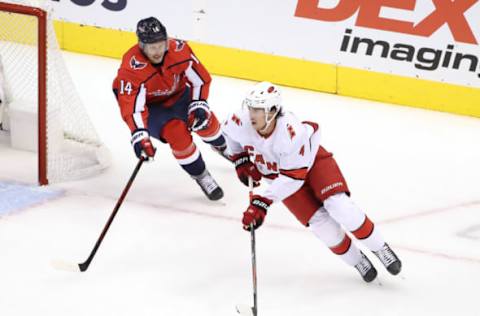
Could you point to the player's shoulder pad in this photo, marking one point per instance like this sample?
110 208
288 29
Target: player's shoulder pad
135 66
179 55
291 133
134 59
177 45
178 50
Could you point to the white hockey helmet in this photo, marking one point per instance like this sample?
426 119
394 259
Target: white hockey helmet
264 95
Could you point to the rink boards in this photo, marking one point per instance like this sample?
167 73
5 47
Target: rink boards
402 53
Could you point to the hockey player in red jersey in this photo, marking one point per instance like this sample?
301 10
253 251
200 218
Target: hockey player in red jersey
162 90
266 142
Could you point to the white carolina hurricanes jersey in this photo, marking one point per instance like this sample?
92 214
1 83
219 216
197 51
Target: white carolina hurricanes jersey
284 157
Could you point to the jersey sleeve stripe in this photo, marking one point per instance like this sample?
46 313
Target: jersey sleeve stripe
140 100
195 58
196 81
297 174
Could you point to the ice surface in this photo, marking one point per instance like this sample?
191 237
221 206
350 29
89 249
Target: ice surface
172 252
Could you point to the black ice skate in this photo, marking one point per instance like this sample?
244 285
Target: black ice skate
208 185
389 259
366 269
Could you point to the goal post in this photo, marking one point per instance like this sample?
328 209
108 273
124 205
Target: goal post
39 92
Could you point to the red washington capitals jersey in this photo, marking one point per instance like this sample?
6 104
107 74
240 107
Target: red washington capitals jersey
139 82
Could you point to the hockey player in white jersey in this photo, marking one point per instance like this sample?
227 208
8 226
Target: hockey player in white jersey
267 142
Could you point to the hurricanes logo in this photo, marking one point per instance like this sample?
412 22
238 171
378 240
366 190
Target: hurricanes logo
135 64
302 151
236 120
291 131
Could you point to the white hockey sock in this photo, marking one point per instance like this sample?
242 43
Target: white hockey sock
369 235
344 211
334 237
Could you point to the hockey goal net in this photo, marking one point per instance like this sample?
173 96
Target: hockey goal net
40 110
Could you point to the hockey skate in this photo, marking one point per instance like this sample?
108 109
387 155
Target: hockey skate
366 269
209 186
389 259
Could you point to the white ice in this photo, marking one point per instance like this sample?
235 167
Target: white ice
170 251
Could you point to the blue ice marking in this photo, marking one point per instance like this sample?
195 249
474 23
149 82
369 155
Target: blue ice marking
15 196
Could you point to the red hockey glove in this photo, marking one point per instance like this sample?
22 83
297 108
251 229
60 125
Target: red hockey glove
142 144
245 168
198 115
256 212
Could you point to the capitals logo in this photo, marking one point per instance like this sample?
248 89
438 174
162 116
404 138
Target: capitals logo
136 65
179 45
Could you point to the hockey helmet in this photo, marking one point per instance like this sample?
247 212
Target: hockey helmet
151 30
264 95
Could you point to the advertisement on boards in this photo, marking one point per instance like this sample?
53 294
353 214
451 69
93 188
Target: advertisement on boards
428 39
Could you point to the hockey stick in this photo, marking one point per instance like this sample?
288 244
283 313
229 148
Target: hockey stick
82 267
242 309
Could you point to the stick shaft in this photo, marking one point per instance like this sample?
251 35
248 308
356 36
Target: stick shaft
84 266
254 271
253 251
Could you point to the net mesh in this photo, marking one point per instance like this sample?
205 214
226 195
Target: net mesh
74 149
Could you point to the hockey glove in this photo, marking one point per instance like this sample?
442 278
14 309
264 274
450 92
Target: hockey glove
142 144
245 169
256 212
198 115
